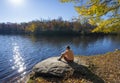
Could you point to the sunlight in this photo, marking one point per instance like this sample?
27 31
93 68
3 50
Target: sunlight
18 60
16 3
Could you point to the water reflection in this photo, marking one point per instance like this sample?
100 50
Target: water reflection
18 60
82 45
81 41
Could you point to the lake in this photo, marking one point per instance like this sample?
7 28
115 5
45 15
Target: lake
18 54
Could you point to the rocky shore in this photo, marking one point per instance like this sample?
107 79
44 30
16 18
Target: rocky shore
85 69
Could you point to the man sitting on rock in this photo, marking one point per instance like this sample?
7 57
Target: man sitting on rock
67 55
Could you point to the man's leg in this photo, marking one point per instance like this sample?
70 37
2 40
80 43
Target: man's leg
65 59
69 61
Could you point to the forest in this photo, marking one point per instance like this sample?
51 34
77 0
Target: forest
51 27
47 27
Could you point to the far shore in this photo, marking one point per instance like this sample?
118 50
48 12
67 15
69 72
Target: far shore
106 66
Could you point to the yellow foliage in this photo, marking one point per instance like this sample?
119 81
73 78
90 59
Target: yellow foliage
31 27
108 26
95 9
92 22
63 1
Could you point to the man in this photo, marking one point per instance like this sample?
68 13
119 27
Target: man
67 55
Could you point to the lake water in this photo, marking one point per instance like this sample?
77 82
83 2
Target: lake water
18 54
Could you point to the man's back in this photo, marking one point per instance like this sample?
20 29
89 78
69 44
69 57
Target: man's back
69 55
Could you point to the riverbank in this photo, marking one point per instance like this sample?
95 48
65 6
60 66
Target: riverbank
105 66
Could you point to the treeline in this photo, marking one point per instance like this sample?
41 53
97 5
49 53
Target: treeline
47 27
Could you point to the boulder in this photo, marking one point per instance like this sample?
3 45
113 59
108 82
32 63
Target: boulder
53 67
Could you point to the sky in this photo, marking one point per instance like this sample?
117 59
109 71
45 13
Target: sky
17 11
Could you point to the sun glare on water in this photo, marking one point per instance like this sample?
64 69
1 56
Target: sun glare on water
17 3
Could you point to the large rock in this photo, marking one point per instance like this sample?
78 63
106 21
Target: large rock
53 67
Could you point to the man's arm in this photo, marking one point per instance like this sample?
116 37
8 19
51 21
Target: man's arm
62 55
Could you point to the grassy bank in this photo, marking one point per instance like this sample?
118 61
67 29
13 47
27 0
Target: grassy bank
106 66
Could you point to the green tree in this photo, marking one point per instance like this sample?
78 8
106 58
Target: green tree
105 14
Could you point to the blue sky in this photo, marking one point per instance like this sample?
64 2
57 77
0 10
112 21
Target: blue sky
34 10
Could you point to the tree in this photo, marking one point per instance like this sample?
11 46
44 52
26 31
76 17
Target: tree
105 14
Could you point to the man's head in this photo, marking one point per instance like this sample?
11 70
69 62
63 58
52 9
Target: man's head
68 47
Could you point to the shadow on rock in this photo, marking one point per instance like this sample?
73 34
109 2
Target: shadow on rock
84 72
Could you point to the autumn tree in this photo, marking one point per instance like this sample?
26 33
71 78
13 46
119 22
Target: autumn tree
105 14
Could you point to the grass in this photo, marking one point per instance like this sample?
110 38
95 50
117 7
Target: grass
106 66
